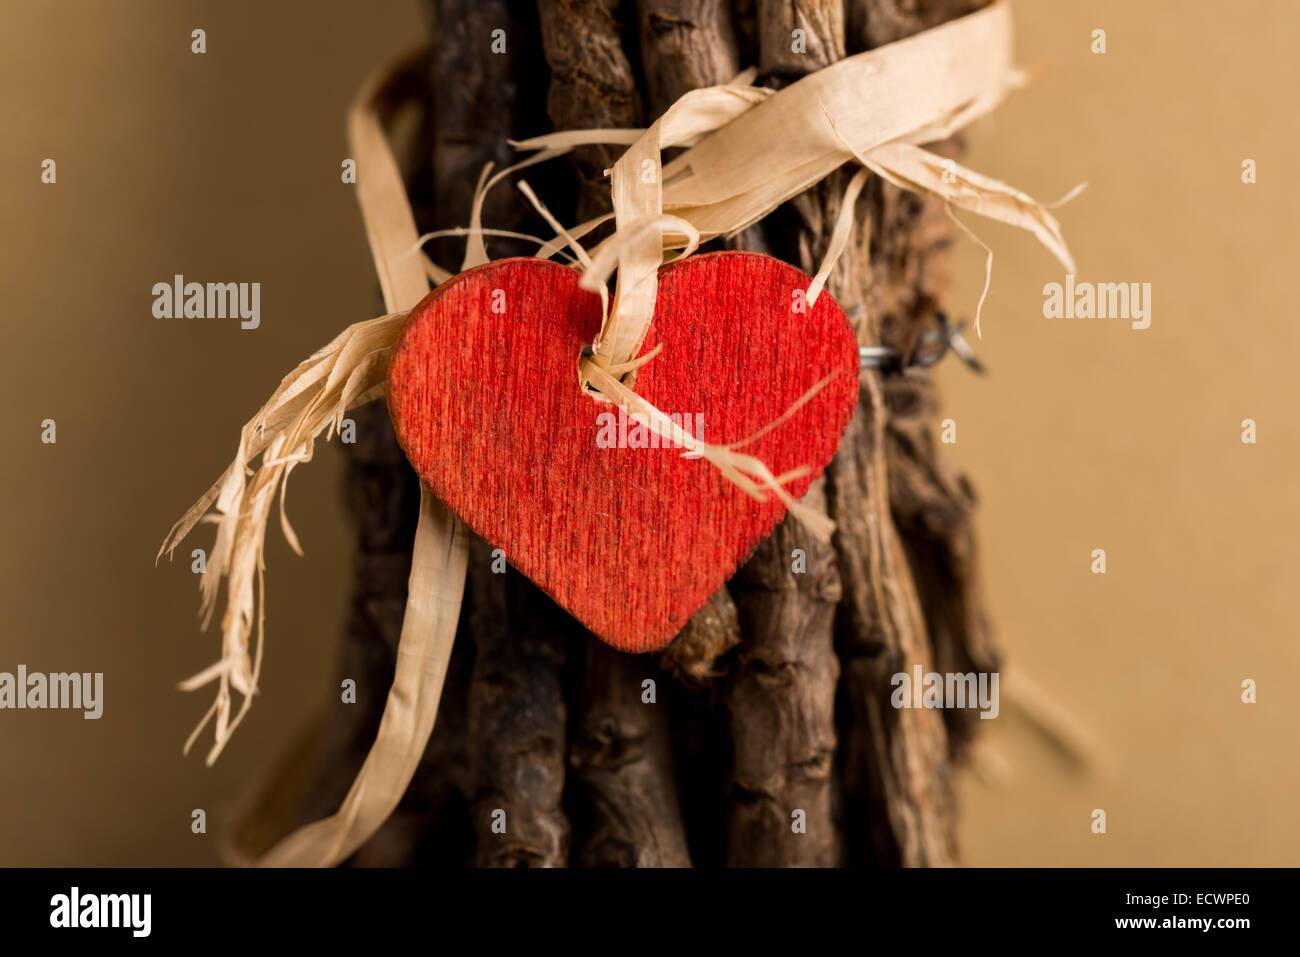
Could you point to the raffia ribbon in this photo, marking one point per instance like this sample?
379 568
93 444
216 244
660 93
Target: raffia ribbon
748 150
754 149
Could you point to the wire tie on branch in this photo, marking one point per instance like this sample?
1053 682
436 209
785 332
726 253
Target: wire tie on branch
948 336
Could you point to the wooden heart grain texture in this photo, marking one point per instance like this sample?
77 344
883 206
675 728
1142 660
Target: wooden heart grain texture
630 541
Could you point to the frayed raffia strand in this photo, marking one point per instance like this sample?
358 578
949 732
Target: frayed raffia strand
310 401
465 231
988 265
839 236
747 472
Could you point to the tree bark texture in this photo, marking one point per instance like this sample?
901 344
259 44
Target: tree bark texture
763 735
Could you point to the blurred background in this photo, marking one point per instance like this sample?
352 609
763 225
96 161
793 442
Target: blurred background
1122 691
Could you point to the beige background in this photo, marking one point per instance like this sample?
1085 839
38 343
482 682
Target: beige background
1086 435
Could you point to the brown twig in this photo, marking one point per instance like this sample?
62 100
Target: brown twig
685 44
932 504
483 61
694 656
516 735
876 22
592 86
796 37
898 802
621 754
781 703
781 698
480 94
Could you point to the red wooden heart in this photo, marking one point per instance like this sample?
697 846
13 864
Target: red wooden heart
484 396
